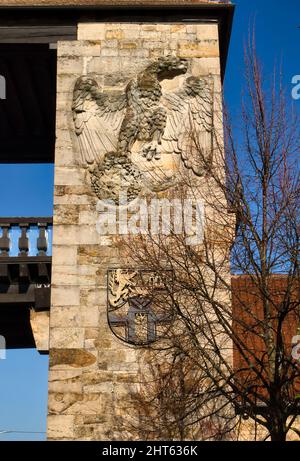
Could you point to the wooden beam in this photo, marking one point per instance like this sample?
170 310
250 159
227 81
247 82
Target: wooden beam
42 297
18 220
16 294
25 270
37 34
4 274
37 297
25 259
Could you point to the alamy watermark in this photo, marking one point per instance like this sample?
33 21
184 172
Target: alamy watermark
2 348
296 87
2 87
152 217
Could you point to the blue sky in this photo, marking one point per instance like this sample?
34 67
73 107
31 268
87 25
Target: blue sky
277 40
27 190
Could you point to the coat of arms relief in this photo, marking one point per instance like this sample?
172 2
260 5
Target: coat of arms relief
137 139
138 305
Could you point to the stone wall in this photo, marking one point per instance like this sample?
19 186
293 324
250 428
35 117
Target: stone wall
91 371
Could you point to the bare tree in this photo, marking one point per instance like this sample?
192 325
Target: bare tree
224 361
175 402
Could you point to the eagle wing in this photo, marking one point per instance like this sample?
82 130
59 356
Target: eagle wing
189 128
97 119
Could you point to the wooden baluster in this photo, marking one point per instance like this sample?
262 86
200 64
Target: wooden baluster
42 244
23 240
5 240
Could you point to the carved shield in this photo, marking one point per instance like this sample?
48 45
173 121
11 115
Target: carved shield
139 305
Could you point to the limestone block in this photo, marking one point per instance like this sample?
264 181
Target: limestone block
65 82
109 52
111 43
201 49
64 140
128 45
74 358
65 156
68 214
69 176
114 34
205 66
151 27
65 296
66 316
60 426
80 275
39 322
90 316
96 377
69 65
175 28
88 217
74 403
88 235
153 44
63 119
99 388
91 333
94 254
91 31
191 29
93 296
65 275
207 31
142 53
65 381
104 340
63 337
92 432
65 235
76 195
107 61
64 101
82 48
148 34
80 190
123 367
122 377
64 255
131 34
121 390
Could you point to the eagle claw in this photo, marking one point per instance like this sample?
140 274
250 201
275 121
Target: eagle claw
151 152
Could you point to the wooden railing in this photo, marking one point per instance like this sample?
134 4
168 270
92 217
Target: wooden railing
25 276
8 238
25 265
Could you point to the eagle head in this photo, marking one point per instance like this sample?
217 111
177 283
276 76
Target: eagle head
85 82
168 67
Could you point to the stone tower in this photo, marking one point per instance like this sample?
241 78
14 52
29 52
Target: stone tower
119 86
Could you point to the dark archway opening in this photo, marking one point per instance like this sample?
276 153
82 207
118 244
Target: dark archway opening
27 114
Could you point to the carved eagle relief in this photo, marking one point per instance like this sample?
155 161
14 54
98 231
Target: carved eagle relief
108 125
